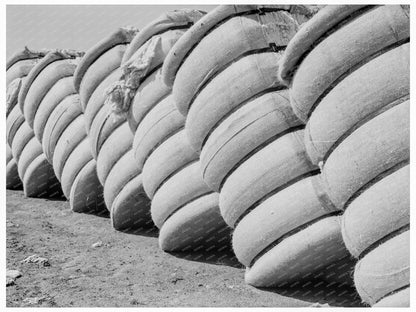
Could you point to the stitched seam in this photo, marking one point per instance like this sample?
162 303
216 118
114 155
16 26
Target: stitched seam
164 139
273 192
220 69
374 180
393 292
185 204
363 121
112 166
382 240
257 149
170 175
52 132
291 233
237 107
56 104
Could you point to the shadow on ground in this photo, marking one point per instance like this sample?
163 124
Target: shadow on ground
148 231
316 291
218 255
322 292
134 261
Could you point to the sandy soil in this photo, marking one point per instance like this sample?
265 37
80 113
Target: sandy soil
128 269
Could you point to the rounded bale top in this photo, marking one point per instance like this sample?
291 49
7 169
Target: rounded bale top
186 43
50 57
310 33
170 20
122 35
25 54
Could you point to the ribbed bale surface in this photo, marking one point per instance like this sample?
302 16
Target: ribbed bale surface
109 136
385 270
18 66
399 298
13 181
51 106
356 105
238 116
35 173
183 206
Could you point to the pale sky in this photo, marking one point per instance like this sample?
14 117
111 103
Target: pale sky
75 26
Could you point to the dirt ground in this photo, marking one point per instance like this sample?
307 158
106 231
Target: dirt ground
127 269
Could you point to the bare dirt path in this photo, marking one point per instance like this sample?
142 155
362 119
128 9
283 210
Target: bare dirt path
126 270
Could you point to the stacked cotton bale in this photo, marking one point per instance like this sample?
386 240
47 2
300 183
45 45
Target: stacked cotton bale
13 181
238 116
51 108
183 207
13 81
109 135
34 171
15 72
348 72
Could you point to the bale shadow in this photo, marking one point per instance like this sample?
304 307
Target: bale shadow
317 289
332 285
220 254
53 197
104 213
320 292
151 231
147 229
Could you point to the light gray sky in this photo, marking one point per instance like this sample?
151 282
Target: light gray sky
75 26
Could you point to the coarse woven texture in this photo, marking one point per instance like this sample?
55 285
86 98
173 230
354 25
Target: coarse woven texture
369 153
380 211
377 85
